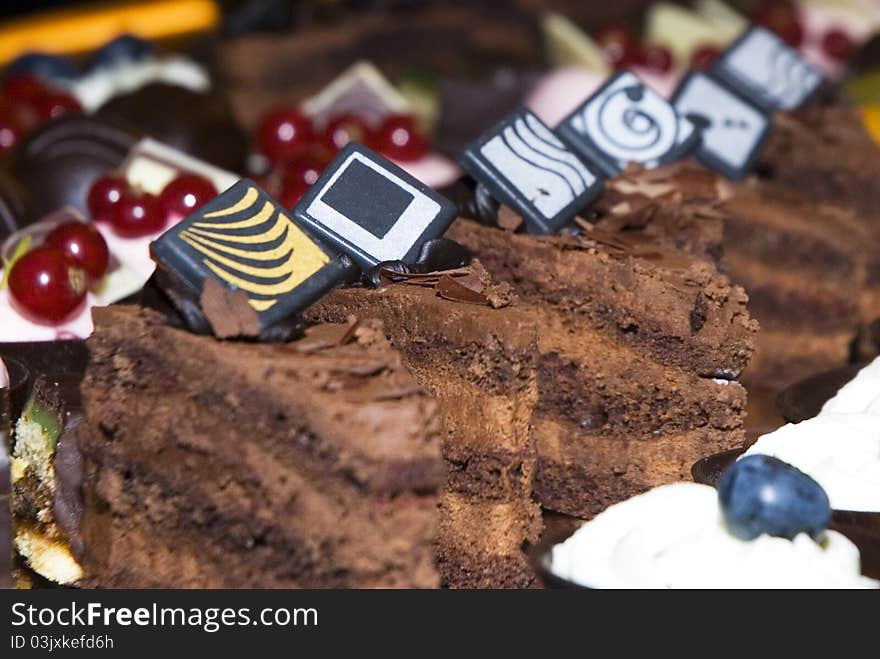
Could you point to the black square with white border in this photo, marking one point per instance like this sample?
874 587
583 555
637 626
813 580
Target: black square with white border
762 67
626 121
524 165
370 208
732 129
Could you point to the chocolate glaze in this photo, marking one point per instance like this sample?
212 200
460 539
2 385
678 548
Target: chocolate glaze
67 502
435 255
201 124
14 207
57 164
474 201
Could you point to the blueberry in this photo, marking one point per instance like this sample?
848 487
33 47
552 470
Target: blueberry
760 494
43 65
125 48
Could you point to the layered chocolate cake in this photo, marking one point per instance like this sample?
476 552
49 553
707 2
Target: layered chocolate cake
804 265
478 359
309 464
639 351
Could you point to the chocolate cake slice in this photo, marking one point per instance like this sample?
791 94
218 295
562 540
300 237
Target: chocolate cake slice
479 363
639 348
804 264
824 153
232 464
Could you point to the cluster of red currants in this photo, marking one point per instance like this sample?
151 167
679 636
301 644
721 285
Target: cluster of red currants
623 49
25 103
298 151
132 214
781 17
49 283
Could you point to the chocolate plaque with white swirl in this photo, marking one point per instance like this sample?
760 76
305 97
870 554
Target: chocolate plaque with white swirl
524 165
626 121
762 67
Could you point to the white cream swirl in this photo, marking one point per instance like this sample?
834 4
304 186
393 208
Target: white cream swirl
840 448
674 536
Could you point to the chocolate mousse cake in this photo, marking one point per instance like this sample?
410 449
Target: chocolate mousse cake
314 463
639 349
804 264
475 351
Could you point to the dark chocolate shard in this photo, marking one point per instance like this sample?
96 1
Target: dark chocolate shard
57 163
450 288
244 241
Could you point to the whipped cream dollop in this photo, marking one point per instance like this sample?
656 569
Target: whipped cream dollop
674 536
839 448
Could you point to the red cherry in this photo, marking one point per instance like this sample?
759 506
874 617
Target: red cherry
10 131
46 286
297 177
104 194
344 129
84 245
782 18
183 195
656 58
284 133
24 88
619 45
704 57
837 44
398 138
54 104
136 216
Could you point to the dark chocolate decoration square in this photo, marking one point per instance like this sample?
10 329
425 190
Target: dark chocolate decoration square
524 165
732 129
246 240
370 208
626 121
762 67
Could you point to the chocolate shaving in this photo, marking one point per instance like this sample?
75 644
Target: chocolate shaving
229 312
323 337
509 219
450 288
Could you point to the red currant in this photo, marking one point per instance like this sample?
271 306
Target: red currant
704 57
103 196
657 58
10 132
134 217
46 286
284 133
398 138
344 129
837 44
54 104
782 18
297 177
619 45
183 195
84 245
